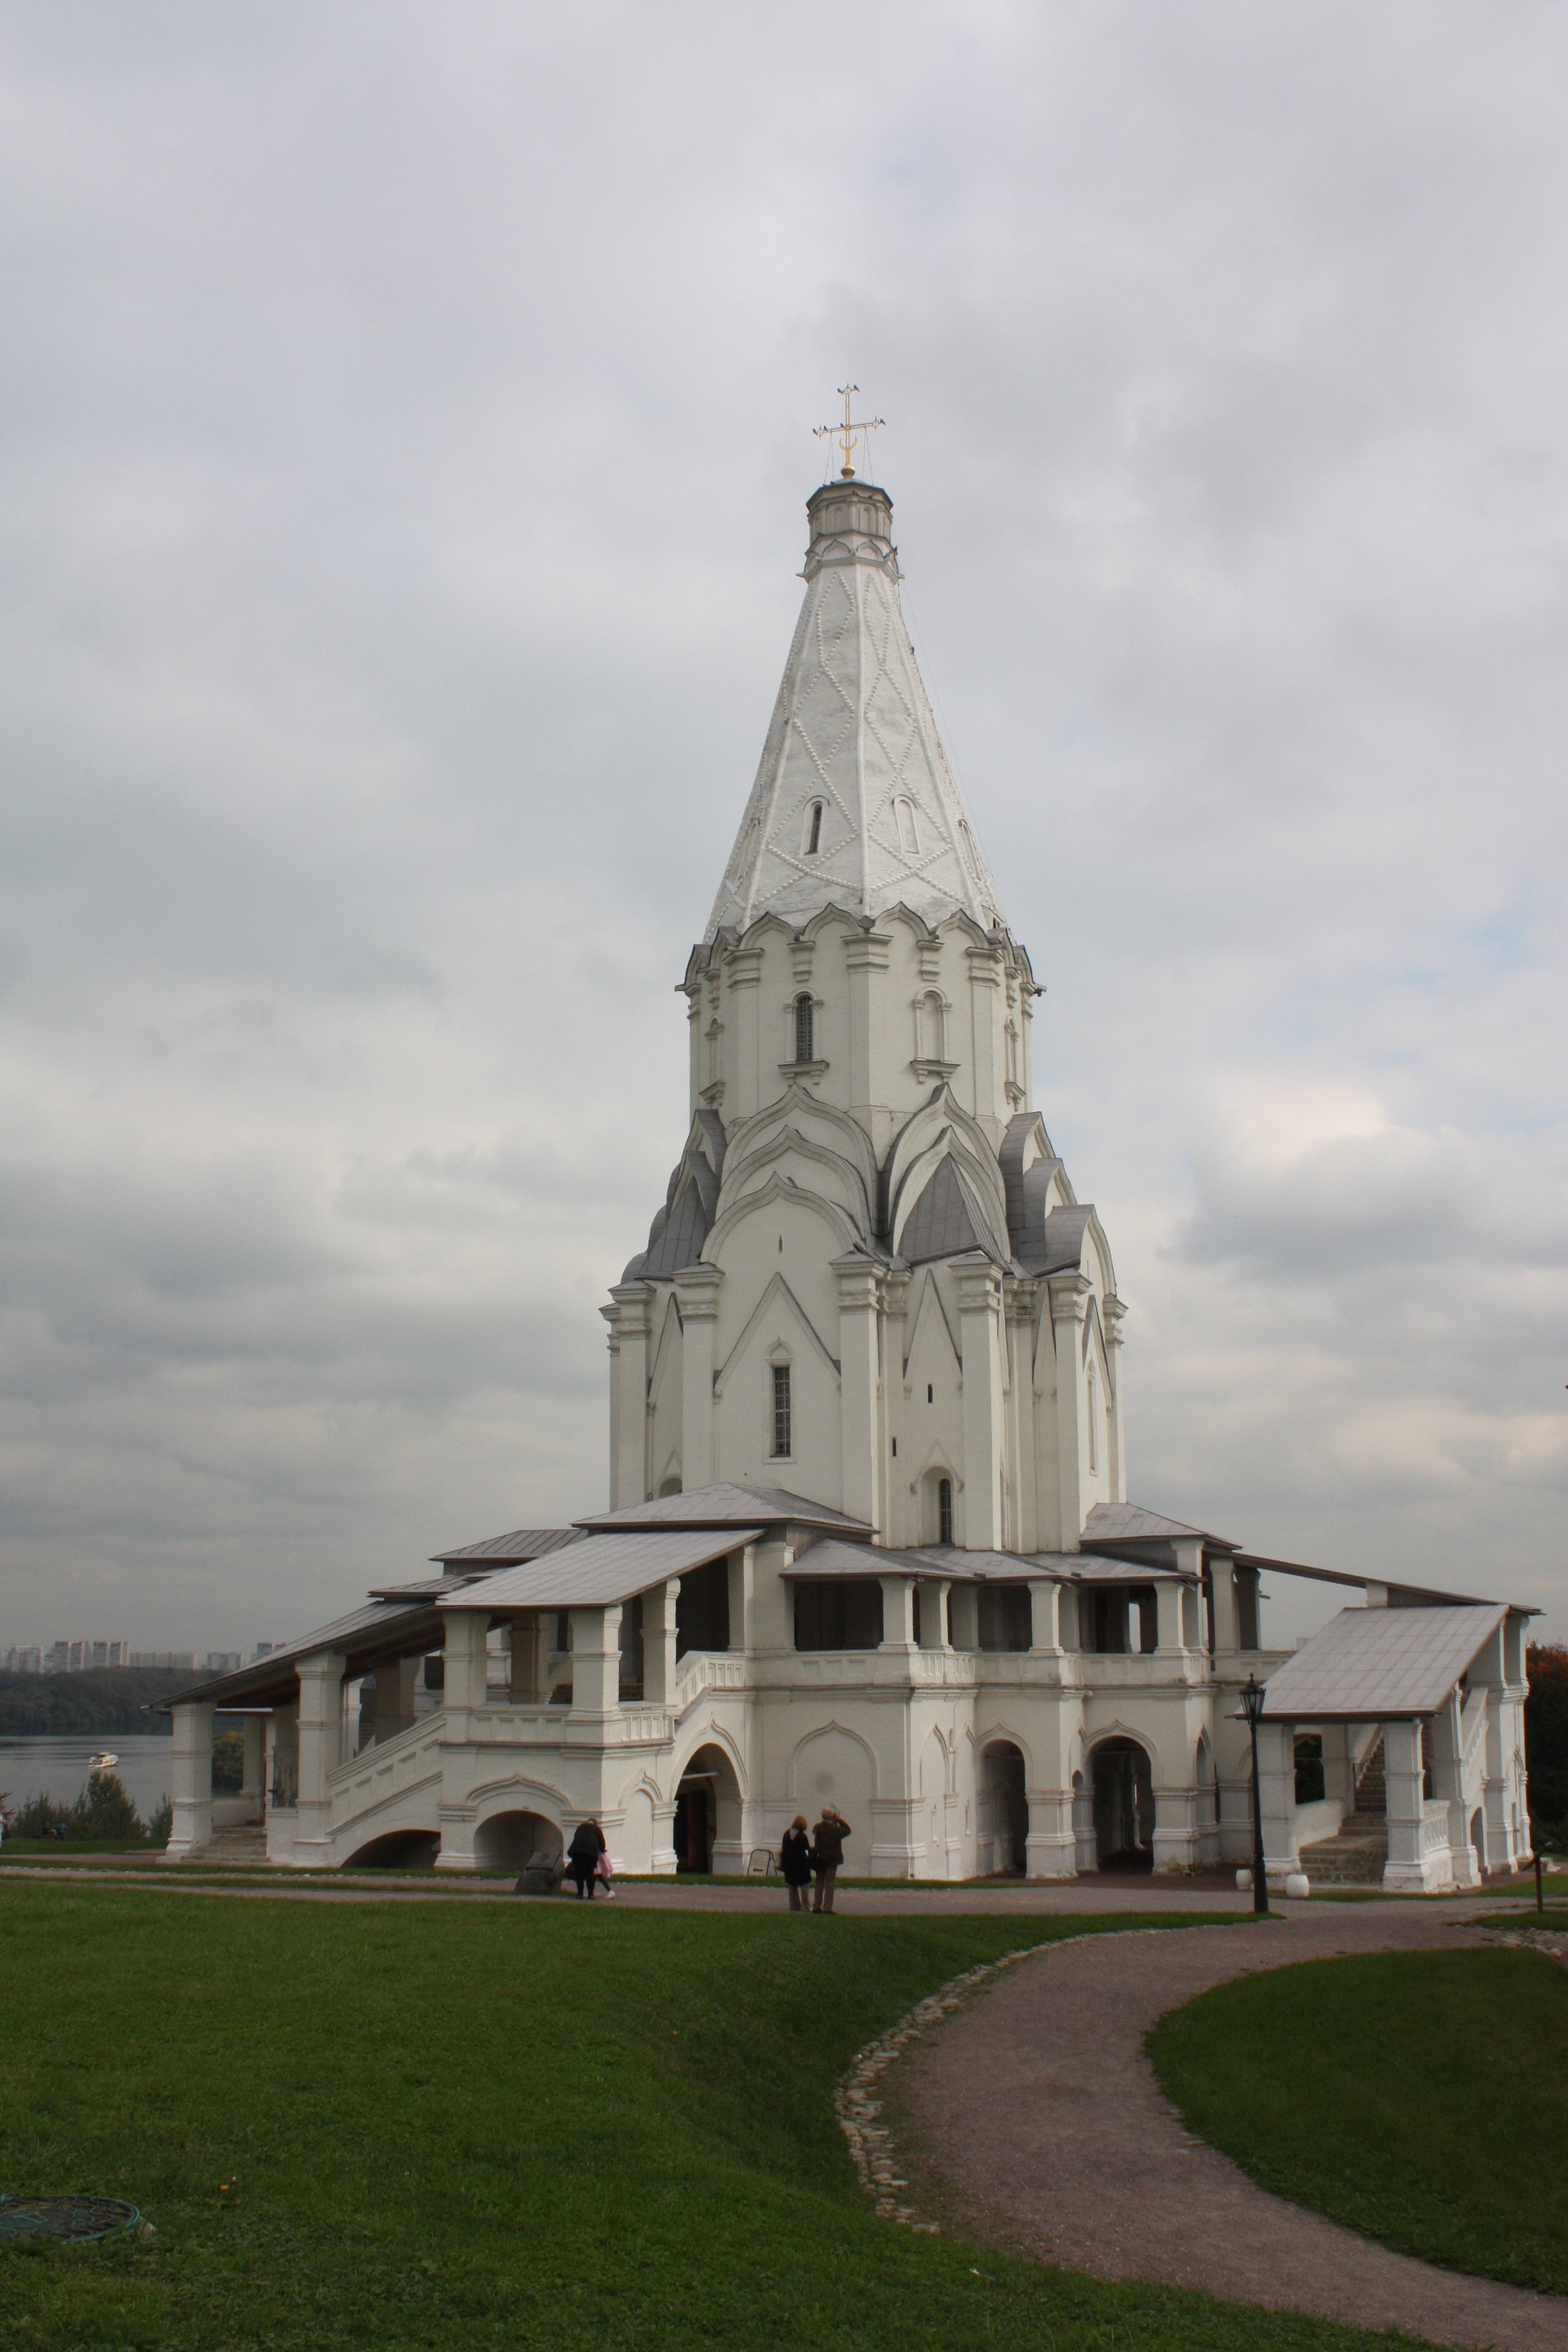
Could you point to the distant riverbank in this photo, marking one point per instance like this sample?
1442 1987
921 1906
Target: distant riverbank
102 1699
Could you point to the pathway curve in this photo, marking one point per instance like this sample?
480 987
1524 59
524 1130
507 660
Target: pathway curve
1036 2113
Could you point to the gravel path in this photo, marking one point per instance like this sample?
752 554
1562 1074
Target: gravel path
1036 2117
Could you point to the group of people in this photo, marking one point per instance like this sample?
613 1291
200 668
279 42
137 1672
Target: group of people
809 1860
807 1855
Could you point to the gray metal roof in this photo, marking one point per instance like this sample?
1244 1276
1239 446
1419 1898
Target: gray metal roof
379 1628
946 1220
721 1505
991 1567
1130 1523
601 1570
1401 1596
506 1551
1369 1666
833 1558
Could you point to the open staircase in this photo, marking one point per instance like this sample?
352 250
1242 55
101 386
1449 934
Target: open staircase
243 1842
1357 1854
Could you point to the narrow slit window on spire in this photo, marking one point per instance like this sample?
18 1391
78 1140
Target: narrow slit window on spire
804 1025
781 1412
812 829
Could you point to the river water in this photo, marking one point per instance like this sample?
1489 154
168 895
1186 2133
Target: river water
57 1767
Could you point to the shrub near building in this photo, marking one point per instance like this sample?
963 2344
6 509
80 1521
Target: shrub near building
1546 1740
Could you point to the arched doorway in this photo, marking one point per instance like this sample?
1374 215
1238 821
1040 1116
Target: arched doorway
708 1815
1124 1806
510 1841
1005 1806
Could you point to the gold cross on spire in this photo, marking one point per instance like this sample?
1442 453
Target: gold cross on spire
848 430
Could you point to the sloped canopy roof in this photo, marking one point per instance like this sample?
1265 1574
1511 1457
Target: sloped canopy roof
379 1629
600 1571
723 1506
1130 1523
853 732
1373 1665
506 1551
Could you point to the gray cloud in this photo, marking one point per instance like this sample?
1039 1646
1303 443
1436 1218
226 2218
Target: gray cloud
403 447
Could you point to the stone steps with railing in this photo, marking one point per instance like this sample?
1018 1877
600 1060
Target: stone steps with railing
1357 1854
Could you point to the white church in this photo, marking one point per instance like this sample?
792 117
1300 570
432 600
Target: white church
869 1537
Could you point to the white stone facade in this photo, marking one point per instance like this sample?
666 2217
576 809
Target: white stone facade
868 1368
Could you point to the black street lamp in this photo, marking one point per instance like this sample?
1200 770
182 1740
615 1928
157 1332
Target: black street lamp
1252 1707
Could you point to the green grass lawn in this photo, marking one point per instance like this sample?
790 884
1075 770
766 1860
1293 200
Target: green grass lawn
540 2124
1422 2097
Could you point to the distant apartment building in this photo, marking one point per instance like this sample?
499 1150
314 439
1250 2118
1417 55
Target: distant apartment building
24 1661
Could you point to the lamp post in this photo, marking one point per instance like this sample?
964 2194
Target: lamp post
1252 1707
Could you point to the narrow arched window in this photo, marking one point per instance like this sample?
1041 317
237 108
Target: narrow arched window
944 1510
782 1416
804 1025
813 828
909 827
1093 1421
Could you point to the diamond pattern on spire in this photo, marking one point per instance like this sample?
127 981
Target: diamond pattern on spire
853 730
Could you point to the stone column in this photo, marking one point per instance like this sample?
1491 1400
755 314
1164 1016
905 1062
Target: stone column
859 1298
596 1661
933 1592
253 1781
525 1682
1405 1871
191 1781
1168 1616
465 1632
897 1612
697 1295
396 1680
321 1750
1277 1783
741 1568
630 1347
1227 1619
965 1616
659 1649
980 1326
1045 1616
1449 1783
1070 1295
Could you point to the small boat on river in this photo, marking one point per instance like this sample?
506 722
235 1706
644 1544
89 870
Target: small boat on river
104 1762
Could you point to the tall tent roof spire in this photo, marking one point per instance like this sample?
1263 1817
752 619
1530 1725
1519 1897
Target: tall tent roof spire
854 804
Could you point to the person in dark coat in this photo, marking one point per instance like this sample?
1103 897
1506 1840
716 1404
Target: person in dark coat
794 1861
582 1858
827 1855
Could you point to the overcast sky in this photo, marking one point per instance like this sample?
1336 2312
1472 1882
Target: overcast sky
405 427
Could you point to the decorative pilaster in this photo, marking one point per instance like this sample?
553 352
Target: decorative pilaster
1021 1298
1069 1295
697 1295
859 1302
897 1612
990 1104
743 974
979 1328
867 957
1112 1314
629 1318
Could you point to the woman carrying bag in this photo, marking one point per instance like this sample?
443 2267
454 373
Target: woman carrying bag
795 1862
